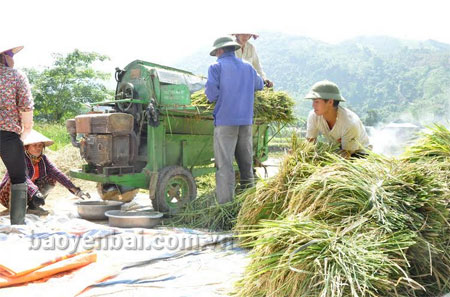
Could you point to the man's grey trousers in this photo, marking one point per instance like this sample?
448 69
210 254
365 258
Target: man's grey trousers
230 142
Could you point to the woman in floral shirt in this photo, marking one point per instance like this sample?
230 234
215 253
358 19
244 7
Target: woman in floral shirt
16 119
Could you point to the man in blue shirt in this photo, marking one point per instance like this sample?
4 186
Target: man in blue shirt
232 84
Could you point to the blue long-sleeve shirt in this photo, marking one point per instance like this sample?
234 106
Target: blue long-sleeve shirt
232 84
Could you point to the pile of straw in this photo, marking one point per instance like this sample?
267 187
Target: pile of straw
270 106
205 212
326 226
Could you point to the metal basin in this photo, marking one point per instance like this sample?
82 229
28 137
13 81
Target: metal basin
95 210
137 219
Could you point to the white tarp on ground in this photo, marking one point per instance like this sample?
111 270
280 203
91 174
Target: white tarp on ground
158 262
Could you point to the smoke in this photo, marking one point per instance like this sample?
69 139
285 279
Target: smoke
392 139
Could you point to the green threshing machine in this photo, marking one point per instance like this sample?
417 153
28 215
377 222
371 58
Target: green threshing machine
151 137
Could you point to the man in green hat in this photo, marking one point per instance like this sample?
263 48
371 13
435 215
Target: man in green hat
337 124
231 85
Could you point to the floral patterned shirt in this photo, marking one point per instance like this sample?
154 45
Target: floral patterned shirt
15 97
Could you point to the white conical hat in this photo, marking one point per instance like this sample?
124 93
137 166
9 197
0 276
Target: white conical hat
254 35
36 137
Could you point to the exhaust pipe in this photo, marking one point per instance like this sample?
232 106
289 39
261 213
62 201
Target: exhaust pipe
71 128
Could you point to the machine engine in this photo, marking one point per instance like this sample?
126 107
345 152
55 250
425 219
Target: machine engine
108 141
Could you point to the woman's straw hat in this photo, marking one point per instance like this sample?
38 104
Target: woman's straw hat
36 137
254 35
14 50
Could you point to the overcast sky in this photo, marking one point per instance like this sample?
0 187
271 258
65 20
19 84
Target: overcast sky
164 31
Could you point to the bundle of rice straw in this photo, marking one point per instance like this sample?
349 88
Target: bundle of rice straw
270 106
434 143
270 197
297 256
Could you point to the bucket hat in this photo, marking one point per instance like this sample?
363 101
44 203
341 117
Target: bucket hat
325 90
222 42
36 137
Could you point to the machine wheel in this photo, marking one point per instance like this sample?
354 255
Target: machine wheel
115 192
175 187
127 91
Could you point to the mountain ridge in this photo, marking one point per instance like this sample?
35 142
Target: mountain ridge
383 78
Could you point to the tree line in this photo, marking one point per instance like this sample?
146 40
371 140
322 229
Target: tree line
65 88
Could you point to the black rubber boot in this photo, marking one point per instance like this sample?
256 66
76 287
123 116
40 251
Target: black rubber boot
18 203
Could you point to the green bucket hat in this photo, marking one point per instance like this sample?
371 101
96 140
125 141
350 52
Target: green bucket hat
325 90
224 42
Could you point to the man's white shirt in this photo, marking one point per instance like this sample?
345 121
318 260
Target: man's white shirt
348 130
